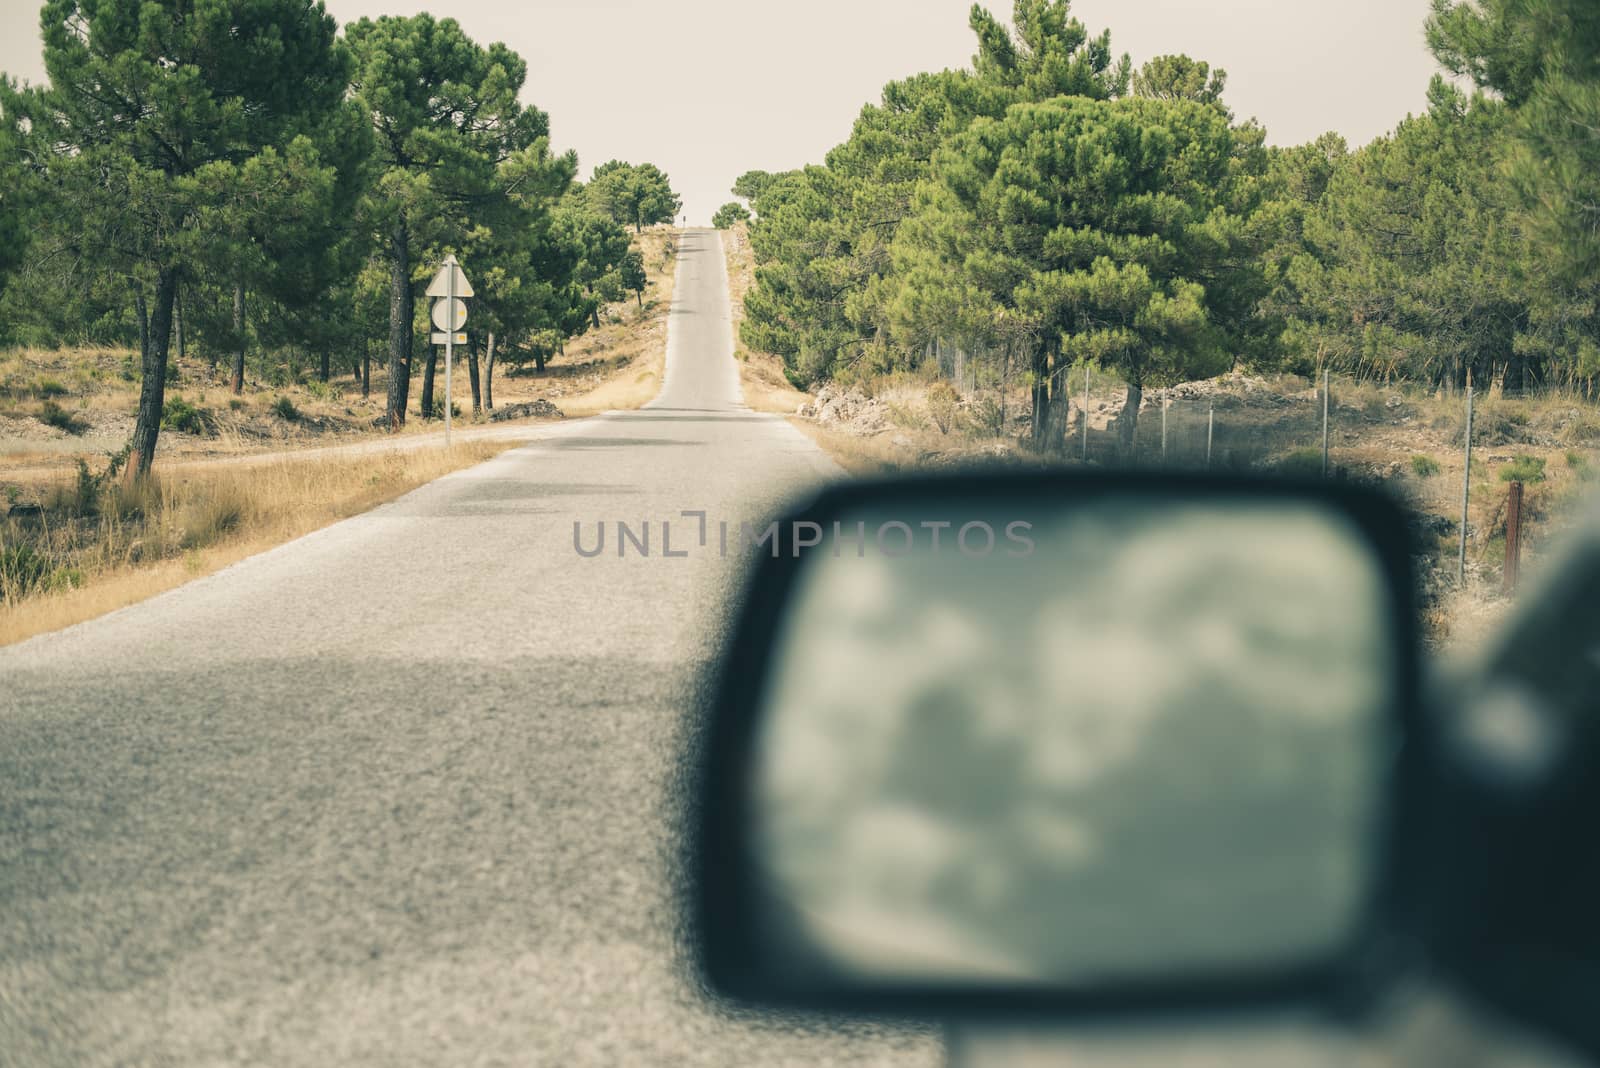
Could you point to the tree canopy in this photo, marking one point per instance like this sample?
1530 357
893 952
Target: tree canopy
237 174
1051 206
730 213
167 126
636 196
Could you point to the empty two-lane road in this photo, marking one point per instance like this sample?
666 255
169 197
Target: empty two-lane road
402 791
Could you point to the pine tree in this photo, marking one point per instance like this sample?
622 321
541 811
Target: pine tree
447 119
156 112
1083 230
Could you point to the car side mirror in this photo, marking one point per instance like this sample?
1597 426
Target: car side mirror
1077 743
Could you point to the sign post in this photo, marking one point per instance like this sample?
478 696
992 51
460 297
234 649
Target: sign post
449 289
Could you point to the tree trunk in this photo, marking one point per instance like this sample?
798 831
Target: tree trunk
429 369
324 369
177 321
1060 403
366 370
539 356
238 338
1128 420
1041 397
472 376
488 375
152 390
402 309
142 311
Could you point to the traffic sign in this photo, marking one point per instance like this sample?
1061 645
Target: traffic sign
450 314
440 286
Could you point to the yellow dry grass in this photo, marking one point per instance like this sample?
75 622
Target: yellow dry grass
192 520
618 365
865 456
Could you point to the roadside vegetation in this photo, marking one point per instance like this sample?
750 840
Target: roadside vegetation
93 544
277 206
761 374
986 240
231 277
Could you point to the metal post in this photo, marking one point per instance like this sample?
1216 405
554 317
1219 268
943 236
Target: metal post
449 343
1211 422
1513 537
1324 424
1164 402
1085 413
1466 490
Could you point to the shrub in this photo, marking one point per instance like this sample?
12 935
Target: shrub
1523 469
54 415
237 404
25 570
1583 428
944 405
437 411
1300 463
1424 466
210 517
323 391
987 416
284 409
49 387
178 414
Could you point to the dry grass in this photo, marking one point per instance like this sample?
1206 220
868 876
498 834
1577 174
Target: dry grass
765 388
760 373
617 366
859 455
1406 440
97 548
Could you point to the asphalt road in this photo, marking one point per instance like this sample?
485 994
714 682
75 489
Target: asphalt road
404 791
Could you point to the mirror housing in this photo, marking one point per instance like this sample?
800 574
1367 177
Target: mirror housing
739 892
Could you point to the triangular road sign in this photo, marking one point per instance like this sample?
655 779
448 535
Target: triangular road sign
440 286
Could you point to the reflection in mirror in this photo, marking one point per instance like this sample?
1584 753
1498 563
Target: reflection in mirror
1130 742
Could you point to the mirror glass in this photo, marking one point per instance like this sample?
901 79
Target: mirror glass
1134 740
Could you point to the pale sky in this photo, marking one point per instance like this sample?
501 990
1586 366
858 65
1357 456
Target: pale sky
711 88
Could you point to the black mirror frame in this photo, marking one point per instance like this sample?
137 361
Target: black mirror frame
721 895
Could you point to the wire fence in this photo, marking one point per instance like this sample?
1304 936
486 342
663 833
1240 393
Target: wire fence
1456 456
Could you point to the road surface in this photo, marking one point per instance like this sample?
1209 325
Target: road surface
402 792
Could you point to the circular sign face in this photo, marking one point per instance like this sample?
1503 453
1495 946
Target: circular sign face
443 317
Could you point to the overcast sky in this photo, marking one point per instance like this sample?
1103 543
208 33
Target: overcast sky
711 88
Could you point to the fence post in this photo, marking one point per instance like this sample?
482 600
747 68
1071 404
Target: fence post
1164 403
1466 491
1211 422
1513 537
1324 423
1086 412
